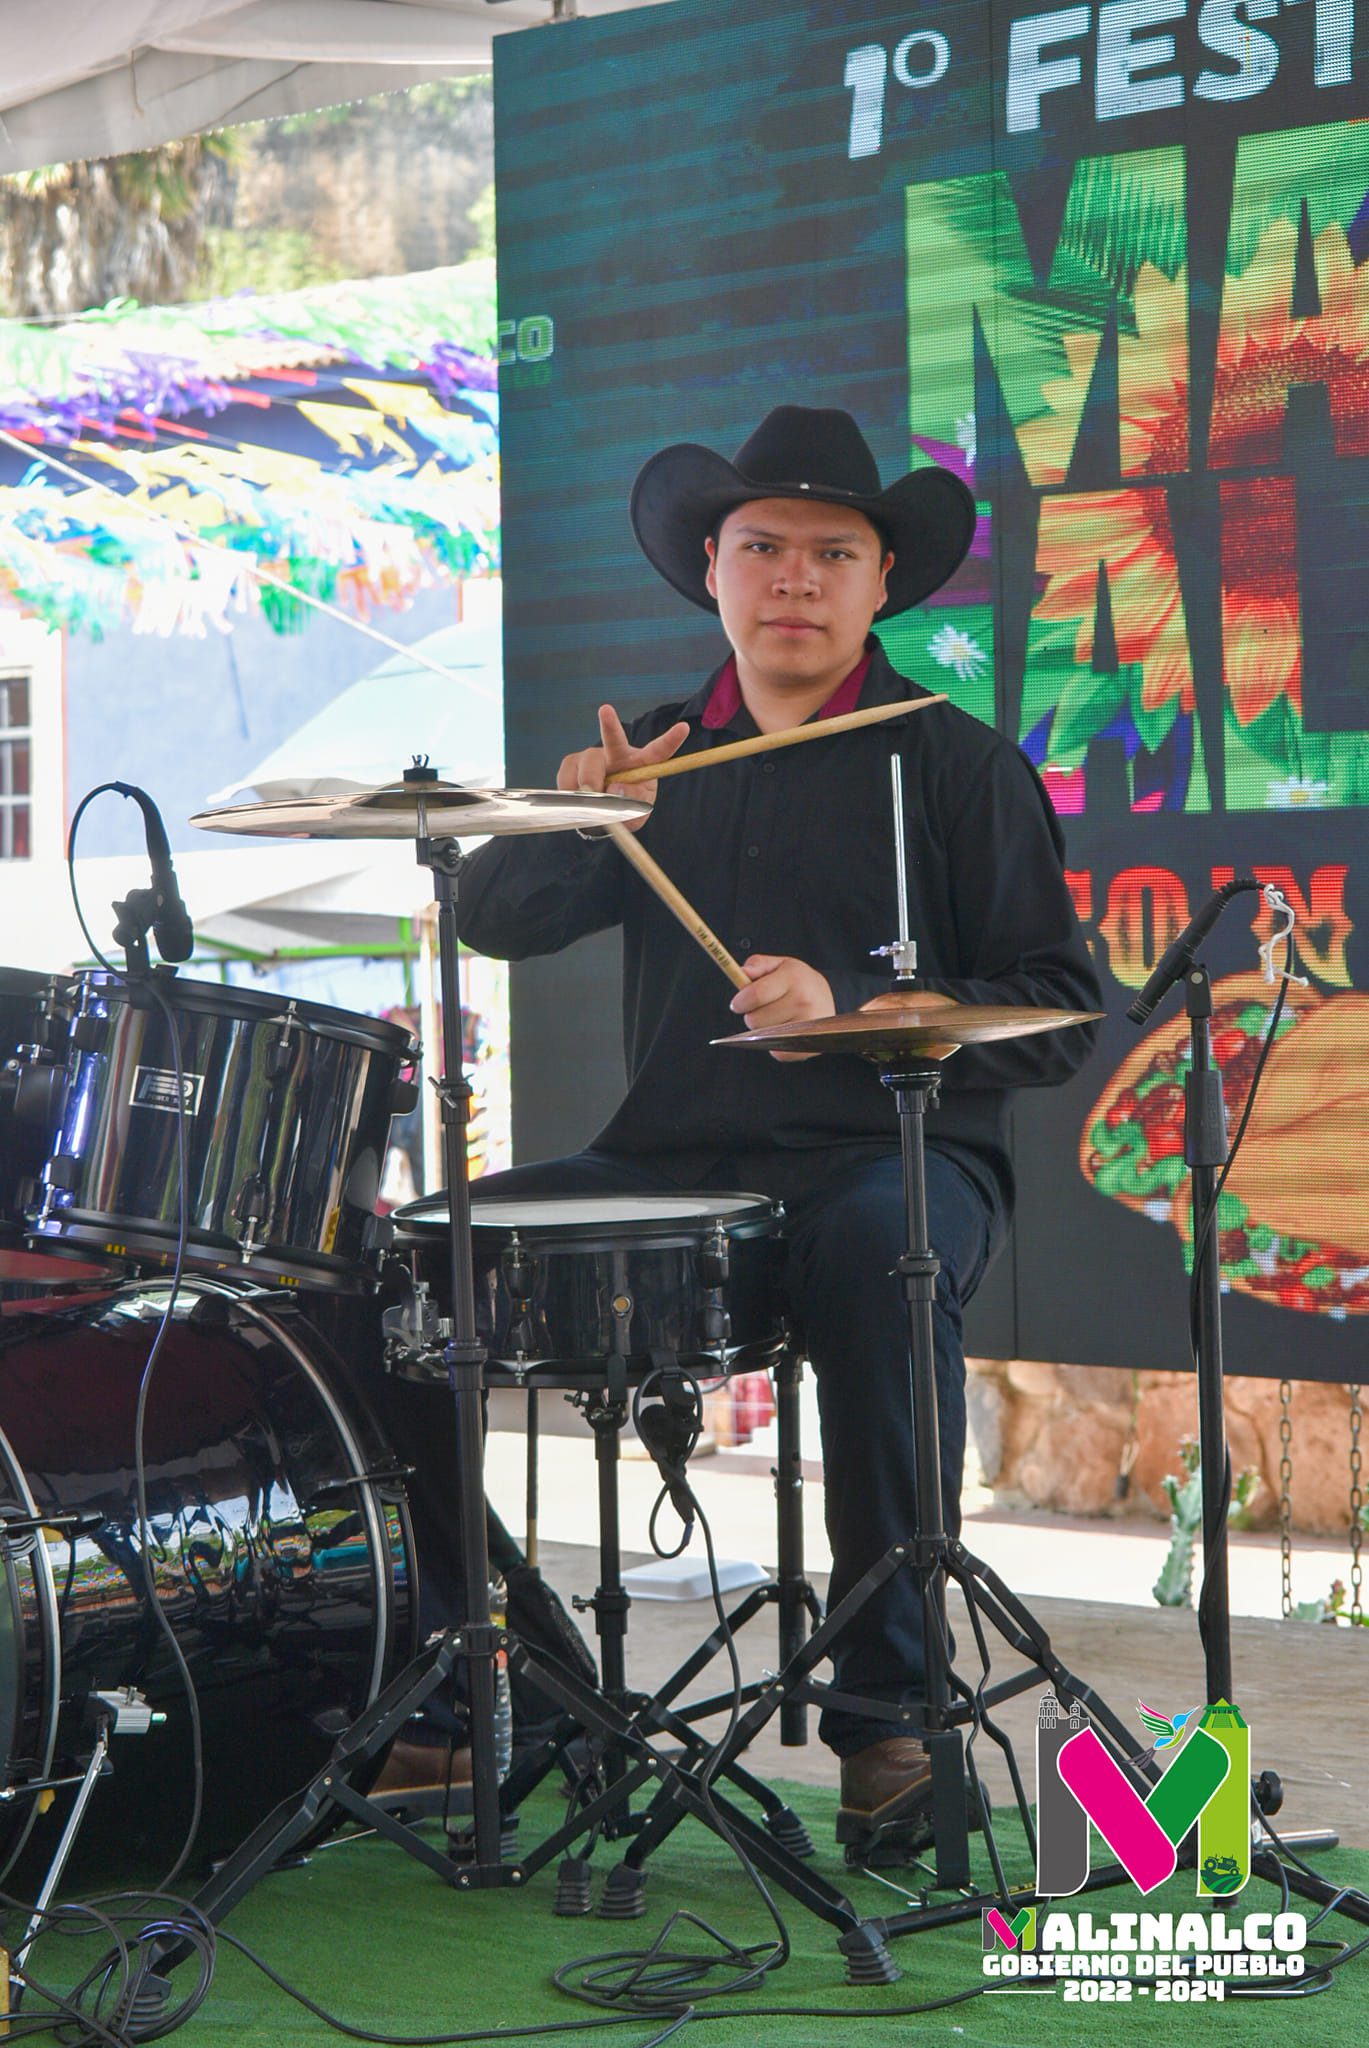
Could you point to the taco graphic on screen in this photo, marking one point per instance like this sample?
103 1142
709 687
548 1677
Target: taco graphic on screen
1294 1217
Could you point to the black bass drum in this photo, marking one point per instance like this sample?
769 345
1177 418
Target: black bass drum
280 1543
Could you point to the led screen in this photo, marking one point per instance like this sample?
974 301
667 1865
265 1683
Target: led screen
1109 263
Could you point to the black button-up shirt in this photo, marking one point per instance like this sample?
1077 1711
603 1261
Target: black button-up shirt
793 853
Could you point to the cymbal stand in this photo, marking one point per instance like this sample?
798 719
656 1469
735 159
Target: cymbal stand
421 1349
462 1359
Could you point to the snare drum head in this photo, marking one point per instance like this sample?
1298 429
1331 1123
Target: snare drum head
568 1281
597 1219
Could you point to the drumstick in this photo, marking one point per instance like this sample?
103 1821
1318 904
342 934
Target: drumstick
791 736
655 877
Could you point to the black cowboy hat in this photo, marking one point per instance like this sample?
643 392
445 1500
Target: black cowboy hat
927 518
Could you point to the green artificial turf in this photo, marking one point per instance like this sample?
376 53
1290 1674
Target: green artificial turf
383 1943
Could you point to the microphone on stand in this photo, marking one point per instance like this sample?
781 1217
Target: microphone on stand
171 926
160 909
669 1427
1178 958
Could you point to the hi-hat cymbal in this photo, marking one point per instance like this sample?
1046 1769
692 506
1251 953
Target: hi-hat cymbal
929 1026
424 810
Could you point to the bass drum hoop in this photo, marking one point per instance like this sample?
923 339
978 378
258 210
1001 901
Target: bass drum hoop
387 1651
50 1647
276 1328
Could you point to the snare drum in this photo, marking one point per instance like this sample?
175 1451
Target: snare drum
280 1546
35 1020
564 1282
287 1107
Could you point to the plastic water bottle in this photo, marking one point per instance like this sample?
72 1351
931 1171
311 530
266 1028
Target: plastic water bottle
503 1698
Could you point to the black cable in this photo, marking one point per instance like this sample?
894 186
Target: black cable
1207 1244
113 2004
651 1981
355 2033
161 1619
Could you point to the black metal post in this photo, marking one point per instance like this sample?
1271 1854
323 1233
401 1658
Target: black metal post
793 1590
1205 1151
465 1362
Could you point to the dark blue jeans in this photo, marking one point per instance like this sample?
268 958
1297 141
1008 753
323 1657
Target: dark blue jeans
844 1236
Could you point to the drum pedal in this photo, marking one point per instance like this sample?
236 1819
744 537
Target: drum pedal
894 1844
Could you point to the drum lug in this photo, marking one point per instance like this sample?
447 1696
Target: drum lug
61 1172
378 1238
517 1270
717 1321
35 1088
89 1032
280 1056
714 1267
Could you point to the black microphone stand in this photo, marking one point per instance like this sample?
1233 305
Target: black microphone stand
1205 1153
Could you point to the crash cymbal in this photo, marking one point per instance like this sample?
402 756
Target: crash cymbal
929 1026
428 809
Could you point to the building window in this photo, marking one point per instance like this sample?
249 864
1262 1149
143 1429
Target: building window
16 783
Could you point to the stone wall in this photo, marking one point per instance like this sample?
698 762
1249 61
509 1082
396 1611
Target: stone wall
1095 1440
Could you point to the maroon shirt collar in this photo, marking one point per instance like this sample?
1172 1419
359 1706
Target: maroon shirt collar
726 699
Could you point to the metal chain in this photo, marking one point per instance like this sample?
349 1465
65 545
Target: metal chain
1286 1494
1356 1509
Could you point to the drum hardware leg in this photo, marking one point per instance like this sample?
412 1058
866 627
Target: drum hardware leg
794 1592
530 1550
331 1792
610 1602
465 1360
94 1769
121 1712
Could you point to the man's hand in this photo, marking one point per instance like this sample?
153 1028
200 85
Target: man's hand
783 991
595 767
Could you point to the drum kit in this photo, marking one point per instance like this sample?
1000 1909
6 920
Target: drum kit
209 1158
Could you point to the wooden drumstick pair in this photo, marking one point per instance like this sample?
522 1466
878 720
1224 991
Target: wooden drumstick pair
655 876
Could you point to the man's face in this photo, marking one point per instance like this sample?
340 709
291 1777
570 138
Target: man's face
797 585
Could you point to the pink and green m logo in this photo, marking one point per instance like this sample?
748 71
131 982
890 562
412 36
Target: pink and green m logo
1079 1782
1017 1933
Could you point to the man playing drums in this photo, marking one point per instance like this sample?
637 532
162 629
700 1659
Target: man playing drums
789 857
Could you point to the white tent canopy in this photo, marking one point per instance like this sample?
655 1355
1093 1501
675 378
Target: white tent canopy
91 78
371 731
262 900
